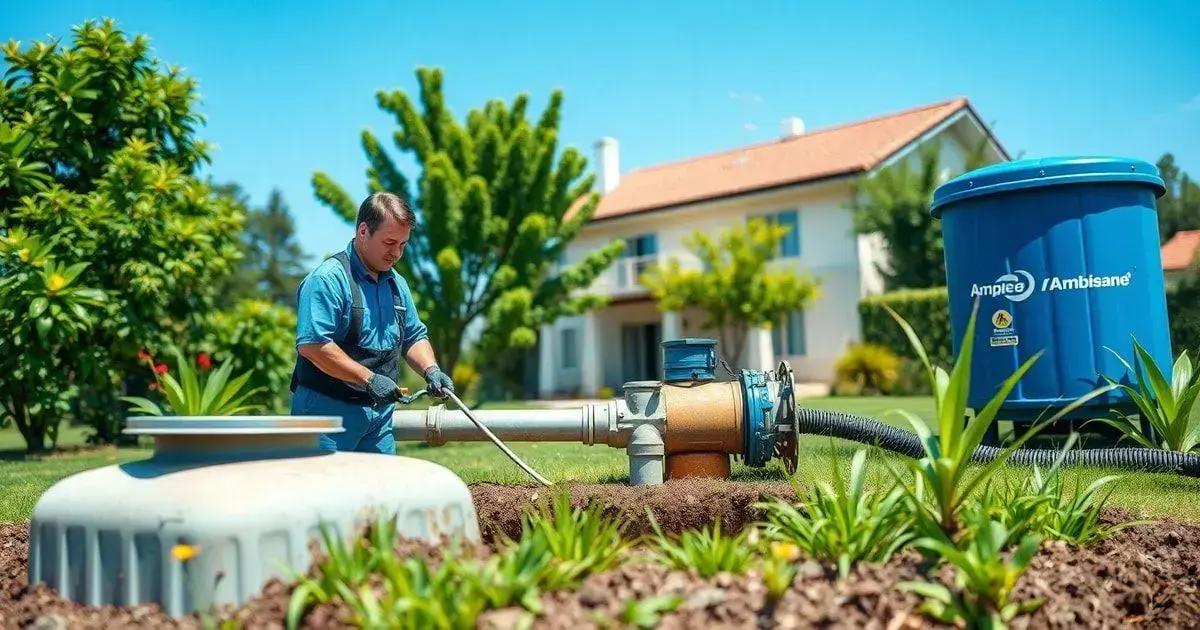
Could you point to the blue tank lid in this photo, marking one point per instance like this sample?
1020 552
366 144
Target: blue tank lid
1051 171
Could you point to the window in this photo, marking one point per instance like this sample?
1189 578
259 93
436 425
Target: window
789 245
787 336
643 245
640 252
568 349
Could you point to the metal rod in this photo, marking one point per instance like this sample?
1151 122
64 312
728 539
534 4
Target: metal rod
495 440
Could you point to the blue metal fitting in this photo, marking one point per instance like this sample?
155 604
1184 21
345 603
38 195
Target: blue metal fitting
758 426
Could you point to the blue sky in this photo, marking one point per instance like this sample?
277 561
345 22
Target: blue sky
288 86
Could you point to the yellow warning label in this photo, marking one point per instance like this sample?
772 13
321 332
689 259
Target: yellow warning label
1002 319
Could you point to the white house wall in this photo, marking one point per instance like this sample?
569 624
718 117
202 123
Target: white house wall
843 262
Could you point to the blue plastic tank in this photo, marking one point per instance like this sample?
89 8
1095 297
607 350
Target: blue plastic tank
689 359
1063 256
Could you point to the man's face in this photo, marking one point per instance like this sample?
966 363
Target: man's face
381 250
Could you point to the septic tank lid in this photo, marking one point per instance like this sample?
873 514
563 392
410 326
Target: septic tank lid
1051 171
231 425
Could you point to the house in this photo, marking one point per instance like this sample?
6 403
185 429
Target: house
802 180
1178 253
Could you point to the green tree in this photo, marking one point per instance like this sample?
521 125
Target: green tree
735 286
497 203
46 318
273 264
1179 208
895 204
112 133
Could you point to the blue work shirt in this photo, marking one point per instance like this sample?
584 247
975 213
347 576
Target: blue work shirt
323 315
323 308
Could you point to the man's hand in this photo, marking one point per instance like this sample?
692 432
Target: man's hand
437 381
383 390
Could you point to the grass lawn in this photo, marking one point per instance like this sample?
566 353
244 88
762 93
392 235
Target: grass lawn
1153 495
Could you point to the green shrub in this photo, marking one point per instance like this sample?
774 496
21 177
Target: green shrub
928 310
1183 310
259 337
866 368
48 314
105 160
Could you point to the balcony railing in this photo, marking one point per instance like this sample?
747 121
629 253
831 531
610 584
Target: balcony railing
628 270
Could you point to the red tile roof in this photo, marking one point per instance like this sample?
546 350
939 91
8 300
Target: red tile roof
844 149
1180 250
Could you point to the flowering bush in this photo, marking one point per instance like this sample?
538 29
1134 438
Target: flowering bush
195 394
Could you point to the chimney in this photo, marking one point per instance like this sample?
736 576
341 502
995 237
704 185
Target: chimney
793 127
608 165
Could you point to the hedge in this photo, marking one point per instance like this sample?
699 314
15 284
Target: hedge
928 311
1183 307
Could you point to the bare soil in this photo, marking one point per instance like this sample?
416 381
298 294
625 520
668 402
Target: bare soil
1146 576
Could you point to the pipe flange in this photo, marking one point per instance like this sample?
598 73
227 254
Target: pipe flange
787 430
759 432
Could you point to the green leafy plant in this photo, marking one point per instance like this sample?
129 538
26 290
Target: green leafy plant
1169 407
259 337
384 590
984 578
706 551
581 541
47 317
944 471
1046 505
213 394
842 523
114 130
646 613
866 369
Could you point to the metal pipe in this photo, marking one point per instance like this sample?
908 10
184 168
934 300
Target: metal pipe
646 451
438 425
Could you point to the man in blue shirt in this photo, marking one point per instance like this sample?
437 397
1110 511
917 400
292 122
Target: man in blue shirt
355 321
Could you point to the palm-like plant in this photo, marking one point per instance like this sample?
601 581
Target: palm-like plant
943 472
194 395
1168 407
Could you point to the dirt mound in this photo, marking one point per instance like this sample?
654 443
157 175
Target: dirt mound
677 505
1149 574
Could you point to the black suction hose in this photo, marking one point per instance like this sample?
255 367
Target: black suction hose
870 431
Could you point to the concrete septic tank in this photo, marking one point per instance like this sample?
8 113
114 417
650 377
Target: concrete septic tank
243 496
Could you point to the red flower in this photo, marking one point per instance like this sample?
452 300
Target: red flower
161 368
143 356
204 361
153 387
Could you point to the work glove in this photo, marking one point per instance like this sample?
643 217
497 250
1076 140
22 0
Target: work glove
437 381
382 390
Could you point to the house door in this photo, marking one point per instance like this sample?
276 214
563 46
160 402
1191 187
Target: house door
641 358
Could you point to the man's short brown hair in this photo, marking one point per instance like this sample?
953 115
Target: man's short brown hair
375 208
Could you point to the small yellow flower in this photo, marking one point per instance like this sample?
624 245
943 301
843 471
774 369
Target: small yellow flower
56 282
785 551
183 553
23 254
